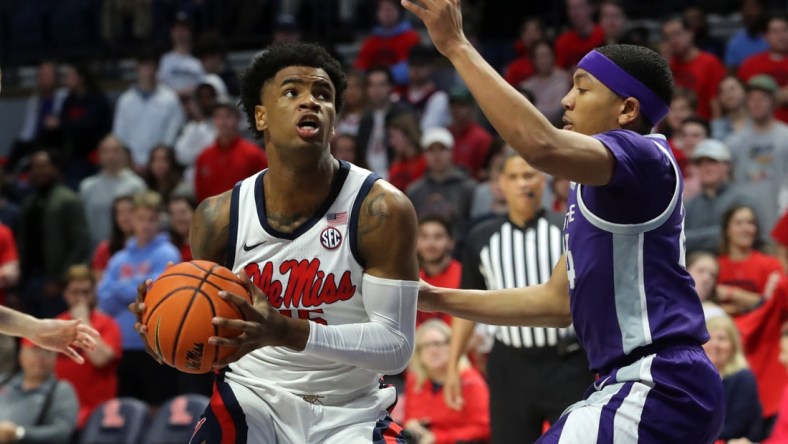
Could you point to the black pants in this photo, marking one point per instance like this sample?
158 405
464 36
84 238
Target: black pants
141 377
529 386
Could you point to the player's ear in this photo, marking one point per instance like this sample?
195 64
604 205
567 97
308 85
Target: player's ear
259 118
630 111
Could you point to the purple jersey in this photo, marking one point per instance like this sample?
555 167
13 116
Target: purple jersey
624 246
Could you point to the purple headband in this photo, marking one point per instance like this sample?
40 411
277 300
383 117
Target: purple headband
623 84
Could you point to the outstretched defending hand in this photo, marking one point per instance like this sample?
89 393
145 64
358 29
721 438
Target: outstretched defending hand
443 19
62 336
263 326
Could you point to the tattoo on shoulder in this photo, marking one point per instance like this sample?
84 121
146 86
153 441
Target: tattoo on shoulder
374 212
206 228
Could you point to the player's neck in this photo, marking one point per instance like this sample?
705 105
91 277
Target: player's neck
311 181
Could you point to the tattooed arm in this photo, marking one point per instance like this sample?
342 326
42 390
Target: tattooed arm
387 234
210 229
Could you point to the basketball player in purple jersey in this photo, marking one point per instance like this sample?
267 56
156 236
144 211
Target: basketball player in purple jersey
621 281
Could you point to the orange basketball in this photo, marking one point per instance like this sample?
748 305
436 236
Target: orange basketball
179 307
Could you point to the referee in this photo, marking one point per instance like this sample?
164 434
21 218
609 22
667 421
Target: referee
533 373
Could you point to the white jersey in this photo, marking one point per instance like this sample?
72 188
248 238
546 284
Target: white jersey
312 273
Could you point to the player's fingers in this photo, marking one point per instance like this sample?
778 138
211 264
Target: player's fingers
416 9
88 331
242 303
226 342
251 288
71 353
169 264
234 324
85 341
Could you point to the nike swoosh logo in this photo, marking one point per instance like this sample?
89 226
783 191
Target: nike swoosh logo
252 247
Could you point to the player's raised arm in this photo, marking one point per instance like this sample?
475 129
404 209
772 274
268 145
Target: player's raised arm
543 305
565 154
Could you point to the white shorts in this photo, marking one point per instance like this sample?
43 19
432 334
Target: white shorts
243 410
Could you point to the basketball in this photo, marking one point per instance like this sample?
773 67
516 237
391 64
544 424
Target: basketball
179 307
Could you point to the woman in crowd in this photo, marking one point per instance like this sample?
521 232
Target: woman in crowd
747 276
163 174
750 288
704 270
122 208
742 407
349 118
427 417
549 83
404 137
181 211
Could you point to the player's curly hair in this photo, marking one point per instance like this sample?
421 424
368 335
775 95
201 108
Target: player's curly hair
278 56
645 65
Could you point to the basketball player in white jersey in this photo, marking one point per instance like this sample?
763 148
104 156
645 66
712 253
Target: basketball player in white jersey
330 252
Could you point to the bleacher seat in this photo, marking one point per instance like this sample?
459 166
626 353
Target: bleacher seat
117 421
175 420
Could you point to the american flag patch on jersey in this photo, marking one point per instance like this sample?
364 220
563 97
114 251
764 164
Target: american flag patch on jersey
337 218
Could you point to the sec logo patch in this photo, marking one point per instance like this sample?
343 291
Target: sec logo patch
331 238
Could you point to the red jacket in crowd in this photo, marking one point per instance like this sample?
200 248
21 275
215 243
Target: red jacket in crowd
425 404
702 75
570 46
471 146
93 385
450 278
218 167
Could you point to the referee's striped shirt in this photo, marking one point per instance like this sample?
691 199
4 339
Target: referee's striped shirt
499 254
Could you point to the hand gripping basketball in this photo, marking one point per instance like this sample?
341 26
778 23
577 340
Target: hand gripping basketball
262 327
137 308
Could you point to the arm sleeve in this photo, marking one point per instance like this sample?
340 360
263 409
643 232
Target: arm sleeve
383 344
59 422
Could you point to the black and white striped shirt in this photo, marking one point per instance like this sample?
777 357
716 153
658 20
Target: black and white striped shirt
499 254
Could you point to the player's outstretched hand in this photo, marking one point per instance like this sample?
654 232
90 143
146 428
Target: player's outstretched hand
64 336
452 390
427 297
137 308
263 326
443 19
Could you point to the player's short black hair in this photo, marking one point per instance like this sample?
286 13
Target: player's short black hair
278 56
645 65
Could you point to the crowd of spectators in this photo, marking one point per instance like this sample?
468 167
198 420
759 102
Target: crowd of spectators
97 193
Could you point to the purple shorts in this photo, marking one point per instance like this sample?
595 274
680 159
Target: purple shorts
674 396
